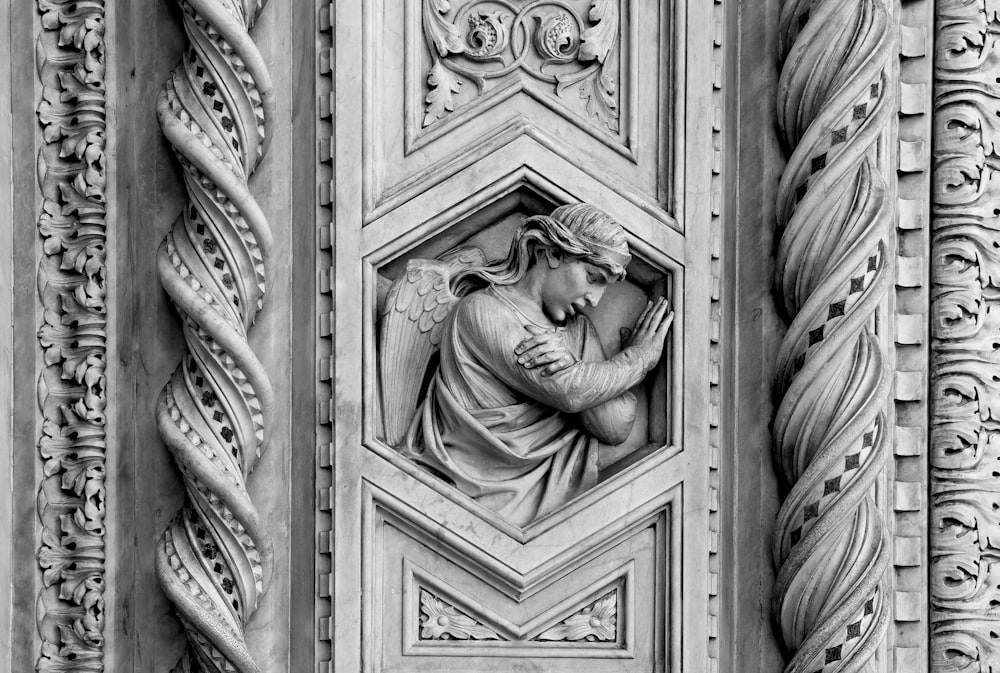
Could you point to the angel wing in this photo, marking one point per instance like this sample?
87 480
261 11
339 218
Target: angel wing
416 306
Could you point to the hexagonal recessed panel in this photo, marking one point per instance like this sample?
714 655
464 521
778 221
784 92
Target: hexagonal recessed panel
489 227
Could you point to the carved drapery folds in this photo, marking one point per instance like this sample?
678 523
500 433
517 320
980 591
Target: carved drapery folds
214 558
556 42
833 273
965 265
71 286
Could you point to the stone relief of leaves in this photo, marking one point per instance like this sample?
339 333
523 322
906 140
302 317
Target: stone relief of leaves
598 622
441 97
443 34
440 621
599 92
596 42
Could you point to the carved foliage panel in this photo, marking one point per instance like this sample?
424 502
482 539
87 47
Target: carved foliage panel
583 77
965 267
72 391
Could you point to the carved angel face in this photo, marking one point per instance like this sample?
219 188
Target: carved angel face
570 285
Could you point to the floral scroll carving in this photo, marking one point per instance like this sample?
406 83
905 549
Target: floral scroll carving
834 269
72 390
556 42
213 560
965 320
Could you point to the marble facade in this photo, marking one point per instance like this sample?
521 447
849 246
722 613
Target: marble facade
208 203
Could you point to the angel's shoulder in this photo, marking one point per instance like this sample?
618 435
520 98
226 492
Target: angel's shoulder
483 311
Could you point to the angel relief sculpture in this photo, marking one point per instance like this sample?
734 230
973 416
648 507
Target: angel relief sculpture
516 408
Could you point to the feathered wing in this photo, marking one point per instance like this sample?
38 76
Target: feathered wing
415 309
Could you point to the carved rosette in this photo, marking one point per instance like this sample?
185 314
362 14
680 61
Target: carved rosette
72 288
833 273
965 322
214 558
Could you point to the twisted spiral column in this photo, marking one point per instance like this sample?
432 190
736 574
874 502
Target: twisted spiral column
833 272
214 558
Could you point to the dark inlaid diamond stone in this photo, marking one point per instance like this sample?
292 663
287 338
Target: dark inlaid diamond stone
839 136
832 654
208 88
860 111
857 285
819 163
810 512
836 309
831 486
868 439
852 462
816 335
854 630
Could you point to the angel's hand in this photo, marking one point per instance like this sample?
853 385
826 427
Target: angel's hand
651 331
544 349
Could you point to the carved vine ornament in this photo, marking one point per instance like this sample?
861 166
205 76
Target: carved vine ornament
965 270
72 287
833 273
214 559
551 41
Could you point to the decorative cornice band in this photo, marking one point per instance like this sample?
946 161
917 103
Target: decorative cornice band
72 287
911 313
214 559
833 273
965 393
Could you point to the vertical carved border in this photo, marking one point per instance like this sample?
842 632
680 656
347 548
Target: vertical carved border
214 559
72 275
965 321
835 212
715 355
324 344
911 337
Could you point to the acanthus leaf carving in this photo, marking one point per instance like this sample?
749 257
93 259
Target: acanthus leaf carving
442 621
965 394
547 41
597 622
71 389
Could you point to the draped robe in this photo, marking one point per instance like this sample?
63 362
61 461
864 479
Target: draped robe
519 442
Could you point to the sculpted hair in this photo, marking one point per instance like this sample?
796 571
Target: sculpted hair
579 231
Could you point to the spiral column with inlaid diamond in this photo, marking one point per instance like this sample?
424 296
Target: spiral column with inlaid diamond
833 272
214 558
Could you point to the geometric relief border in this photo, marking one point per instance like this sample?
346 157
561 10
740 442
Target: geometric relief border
909 466
72 274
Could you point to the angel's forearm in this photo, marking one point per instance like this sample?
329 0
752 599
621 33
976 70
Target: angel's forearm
586 384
